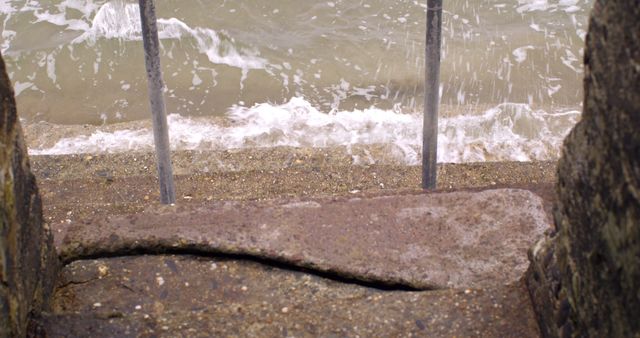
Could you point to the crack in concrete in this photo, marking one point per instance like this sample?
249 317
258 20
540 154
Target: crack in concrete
335 276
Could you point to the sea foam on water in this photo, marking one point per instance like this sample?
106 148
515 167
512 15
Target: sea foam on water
253 73
120 20
507 132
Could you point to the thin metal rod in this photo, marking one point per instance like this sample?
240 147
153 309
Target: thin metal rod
156 98
431 94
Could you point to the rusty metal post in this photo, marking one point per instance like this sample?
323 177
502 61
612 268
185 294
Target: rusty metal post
431 94
156 98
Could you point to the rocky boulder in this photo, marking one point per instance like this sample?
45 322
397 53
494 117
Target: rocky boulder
27 258
584 281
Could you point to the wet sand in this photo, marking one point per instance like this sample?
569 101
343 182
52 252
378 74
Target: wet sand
82 185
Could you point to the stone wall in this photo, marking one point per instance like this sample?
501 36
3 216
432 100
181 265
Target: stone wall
27 259
585 279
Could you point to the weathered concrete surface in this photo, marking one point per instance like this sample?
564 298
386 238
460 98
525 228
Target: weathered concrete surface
585 280
425 241
173 296
77 187
27 259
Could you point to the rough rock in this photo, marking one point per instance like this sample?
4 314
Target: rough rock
584 281
27 257
187 296
424 241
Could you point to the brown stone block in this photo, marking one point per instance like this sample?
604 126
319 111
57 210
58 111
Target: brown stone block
28 262
590 289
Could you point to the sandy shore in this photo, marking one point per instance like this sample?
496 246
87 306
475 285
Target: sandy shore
450 175
82 185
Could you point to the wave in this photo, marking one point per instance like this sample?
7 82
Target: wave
120 20
507 132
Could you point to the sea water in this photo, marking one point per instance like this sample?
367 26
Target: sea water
255 73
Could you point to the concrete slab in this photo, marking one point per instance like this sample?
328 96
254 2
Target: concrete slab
188 296
425 241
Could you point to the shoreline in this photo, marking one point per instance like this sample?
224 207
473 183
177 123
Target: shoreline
80 186
185 162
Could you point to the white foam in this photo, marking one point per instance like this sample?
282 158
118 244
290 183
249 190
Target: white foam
19 87
114 20
569 6
503 133
6 7
118 20
520 53
533 5
507 132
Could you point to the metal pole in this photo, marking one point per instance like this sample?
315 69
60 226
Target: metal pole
431 94
158 110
